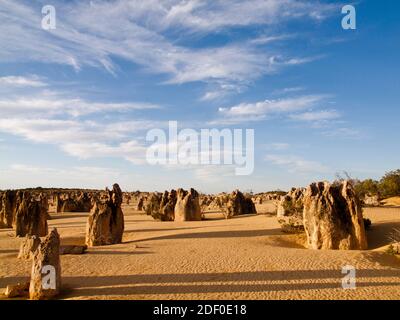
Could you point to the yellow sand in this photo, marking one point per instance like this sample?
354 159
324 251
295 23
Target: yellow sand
243 258
394 201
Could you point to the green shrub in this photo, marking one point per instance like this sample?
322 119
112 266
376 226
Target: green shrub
293 226
389 185
369 186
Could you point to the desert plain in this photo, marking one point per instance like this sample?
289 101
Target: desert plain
246 257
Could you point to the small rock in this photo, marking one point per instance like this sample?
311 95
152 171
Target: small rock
17 290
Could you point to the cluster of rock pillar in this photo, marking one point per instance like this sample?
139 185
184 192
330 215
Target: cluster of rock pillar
25 213
72 202
185 205
175 205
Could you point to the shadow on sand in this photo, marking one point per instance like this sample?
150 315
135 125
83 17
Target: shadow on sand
68 215
170 283
215 234
379 234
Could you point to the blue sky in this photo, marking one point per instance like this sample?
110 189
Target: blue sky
76 102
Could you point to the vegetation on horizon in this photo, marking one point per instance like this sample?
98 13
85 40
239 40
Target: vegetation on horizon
388 186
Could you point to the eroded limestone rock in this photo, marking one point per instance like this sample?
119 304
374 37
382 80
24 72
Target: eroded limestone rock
31 217
238 204
187 206
46 269
333 218
105 224
28 247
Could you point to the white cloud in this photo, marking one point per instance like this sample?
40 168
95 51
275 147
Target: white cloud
259 110
316 115
132 150
343 132
214 173
218 14
84 139
268 39
18 81
219 90
278 146
25 175
55 118
288 90
74 171
46 130
294 164
135 30
52 103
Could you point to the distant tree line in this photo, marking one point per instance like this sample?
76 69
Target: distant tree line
388 186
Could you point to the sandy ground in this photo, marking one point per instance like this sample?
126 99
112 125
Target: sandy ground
394 201
243 258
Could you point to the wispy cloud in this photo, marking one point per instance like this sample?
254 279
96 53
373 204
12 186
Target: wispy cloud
262 40
137 31
18 81
343 132
214 173
84 139
295 164
278 146
53 103
288 90
260 110
132 151
72 124
215 15
27 175
316 116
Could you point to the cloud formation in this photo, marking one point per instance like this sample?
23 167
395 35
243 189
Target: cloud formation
295 164
138 31
257 111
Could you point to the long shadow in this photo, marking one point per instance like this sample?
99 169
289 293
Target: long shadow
147 283
204 289
231 277
222 217
4 282
216 234
73 241
59 216
117 252
244 216
168 229
68 224
379 234
8 251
